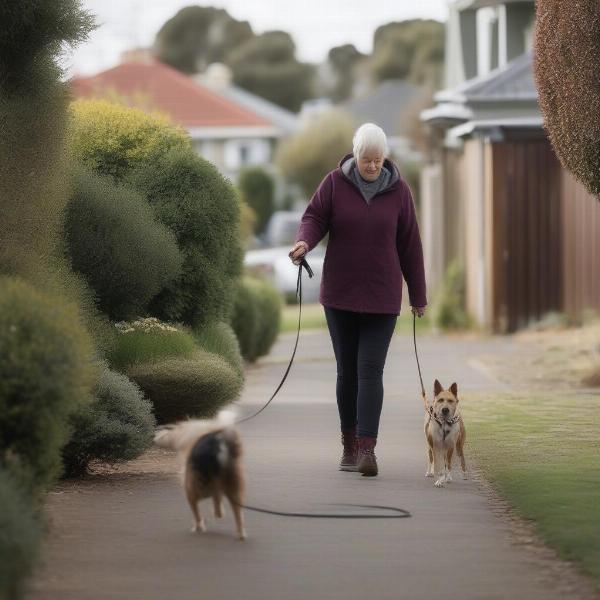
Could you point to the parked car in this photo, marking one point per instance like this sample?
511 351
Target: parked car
282 227
275 265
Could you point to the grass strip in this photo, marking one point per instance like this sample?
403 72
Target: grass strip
541 452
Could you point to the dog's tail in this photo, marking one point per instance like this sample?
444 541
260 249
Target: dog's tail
181 435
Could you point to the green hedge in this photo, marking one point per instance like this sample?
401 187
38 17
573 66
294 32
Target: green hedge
200 206
33 106
187 387
219 338
46 373
114 240
20 536
256 317
117 425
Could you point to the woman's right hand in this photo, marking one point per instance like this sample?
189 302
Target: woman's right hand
298 251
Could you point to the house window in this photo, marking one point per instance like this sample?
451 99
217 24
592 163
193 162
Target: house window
244 154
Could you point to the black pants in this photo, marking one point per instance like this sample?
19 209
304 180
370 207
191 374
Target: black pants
360 343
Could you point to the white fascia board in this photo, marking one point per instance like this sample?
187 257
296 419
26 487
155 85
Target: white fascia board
446 111
516 122
234 132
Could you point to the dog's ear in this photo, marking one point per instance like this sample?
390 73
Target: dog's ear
437 387
454 390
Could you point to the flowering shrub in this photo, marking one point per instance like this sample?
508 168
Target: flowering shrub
148 340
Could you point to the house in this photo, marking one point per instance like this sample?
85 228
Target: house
228 126
494 195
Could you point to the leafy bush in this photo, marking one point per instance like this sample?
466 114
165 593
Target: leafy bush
20 536
567 57
219 338
148 340
258 189
187 387
114 240
310 154
256 317
117 425
112 139
46 373
200 206
448 310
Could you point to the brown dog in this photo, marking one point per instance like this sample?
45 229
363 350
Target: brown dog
444 432
211 454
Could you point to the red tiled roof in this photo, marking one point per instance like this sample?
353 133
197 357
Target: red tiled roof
186 102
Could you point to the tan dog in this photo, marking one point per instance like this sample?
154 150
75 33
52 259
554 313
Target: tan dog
210 452
445 432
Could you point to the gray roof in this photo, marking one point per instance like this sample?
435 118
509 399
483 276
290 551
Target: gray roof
513 82
280 117
386 105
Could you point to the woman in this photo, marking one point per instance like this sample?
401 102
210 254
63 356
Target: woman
368 211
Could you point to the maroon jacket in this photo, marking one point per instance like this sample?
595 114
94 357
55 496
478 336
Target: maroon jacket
371 245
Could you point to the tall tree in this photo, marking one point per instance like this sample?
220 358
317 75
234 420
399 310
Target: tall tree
409 49
198 36
266 65
342 61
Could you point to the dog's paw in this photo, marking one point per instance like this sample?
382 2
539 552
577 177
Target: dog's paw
242 536
429 474
439 483
198 527
448 477
465 476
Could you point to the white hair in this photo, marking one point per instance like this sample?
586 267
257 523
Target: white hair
369 137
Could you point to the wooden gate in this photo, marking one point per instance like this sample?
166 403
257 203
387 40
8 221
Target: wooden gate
527 233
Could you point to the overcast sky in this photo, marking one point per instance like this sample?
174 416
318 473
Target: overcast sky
315 25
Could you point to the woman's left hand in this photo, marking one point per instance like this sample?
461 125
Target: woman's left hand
418 310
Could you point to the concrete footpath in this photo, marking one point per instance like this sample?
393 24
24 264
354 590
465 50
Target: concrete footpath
126 535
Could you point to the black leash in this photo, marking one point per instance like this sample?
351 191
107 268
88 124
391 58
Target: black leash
417 354
302 265
396 513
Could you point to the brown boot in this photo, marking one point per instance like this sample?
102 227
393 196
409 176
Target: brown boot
367 461
349 458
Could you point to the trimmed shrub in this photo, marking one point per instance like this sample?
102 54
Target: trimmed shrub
269 308
245 320
112 139
200 206
46 372
149 340
256 318
187 387
448 310
219 338
117 425
20 537
258 190
113 239
567 58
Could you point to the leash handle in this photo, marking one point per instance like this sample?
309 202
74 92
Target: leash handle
303 265
423 393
